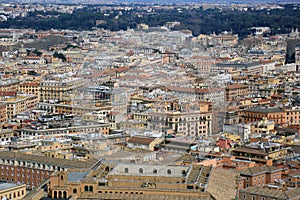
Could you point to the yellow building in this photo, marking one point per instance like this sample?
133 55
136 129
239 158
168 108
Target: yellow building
9 85
59 89
12 191
19 103
264 126
232 137
30 88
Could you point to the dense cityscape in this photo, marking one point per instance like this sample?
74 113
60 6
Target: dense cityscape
134 101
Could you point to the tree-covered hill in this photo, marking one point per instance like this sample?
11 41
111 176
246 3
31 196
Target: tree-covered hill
197 20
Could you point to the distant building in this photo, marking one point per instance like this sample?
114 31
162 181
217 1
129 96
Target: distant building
269 194
131 181
259 176
255 114
17 167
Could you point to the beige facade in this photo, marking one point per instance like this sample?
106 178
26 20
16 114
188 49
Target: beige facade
9 85
19 104
189 124
6 135
12 191
3 114
129 181
30 88
263 127
236 91
59 88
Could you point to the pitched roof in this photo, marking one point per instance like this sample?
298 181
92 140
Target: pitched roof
236 86
141 140
222 184
278 194
259 170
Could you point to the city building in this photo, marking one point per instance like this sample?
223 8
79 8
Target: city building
30 169
12 191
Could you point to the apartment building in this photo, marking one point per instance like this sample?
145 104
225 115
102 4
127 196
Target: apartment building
29 169
262 153
3 114
259 176
263 127
256 193
30 88
76 109
9 85
258 113
214 95
196 124
16 104
58 89
84 128
234 92
6 135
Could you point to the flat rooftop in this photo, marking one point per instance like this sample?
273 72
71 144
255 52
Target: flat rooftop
5 186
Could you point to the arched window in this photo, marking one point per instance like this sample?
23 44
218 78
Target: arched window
74 191
183 172
126 170
154 171
91 188
64 194
141 170
86 188
169 171
55 194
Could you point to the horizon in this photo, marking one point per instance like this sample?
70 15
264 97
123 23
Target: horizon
152 2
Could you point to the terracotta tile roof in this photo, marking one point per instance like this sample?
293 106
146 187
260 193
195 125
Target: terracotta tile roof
141 140
194 90
222 184
236 86
278 194
259 170
7 93
33 84
250 150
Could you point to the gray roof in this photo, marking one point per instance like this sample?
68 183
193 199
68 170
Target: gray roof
261 109
76 176
19 156
5 186
237 64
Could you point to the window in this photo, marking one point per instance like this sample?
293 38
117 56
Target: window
169 171
155 171
126 170
253 197
141 170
